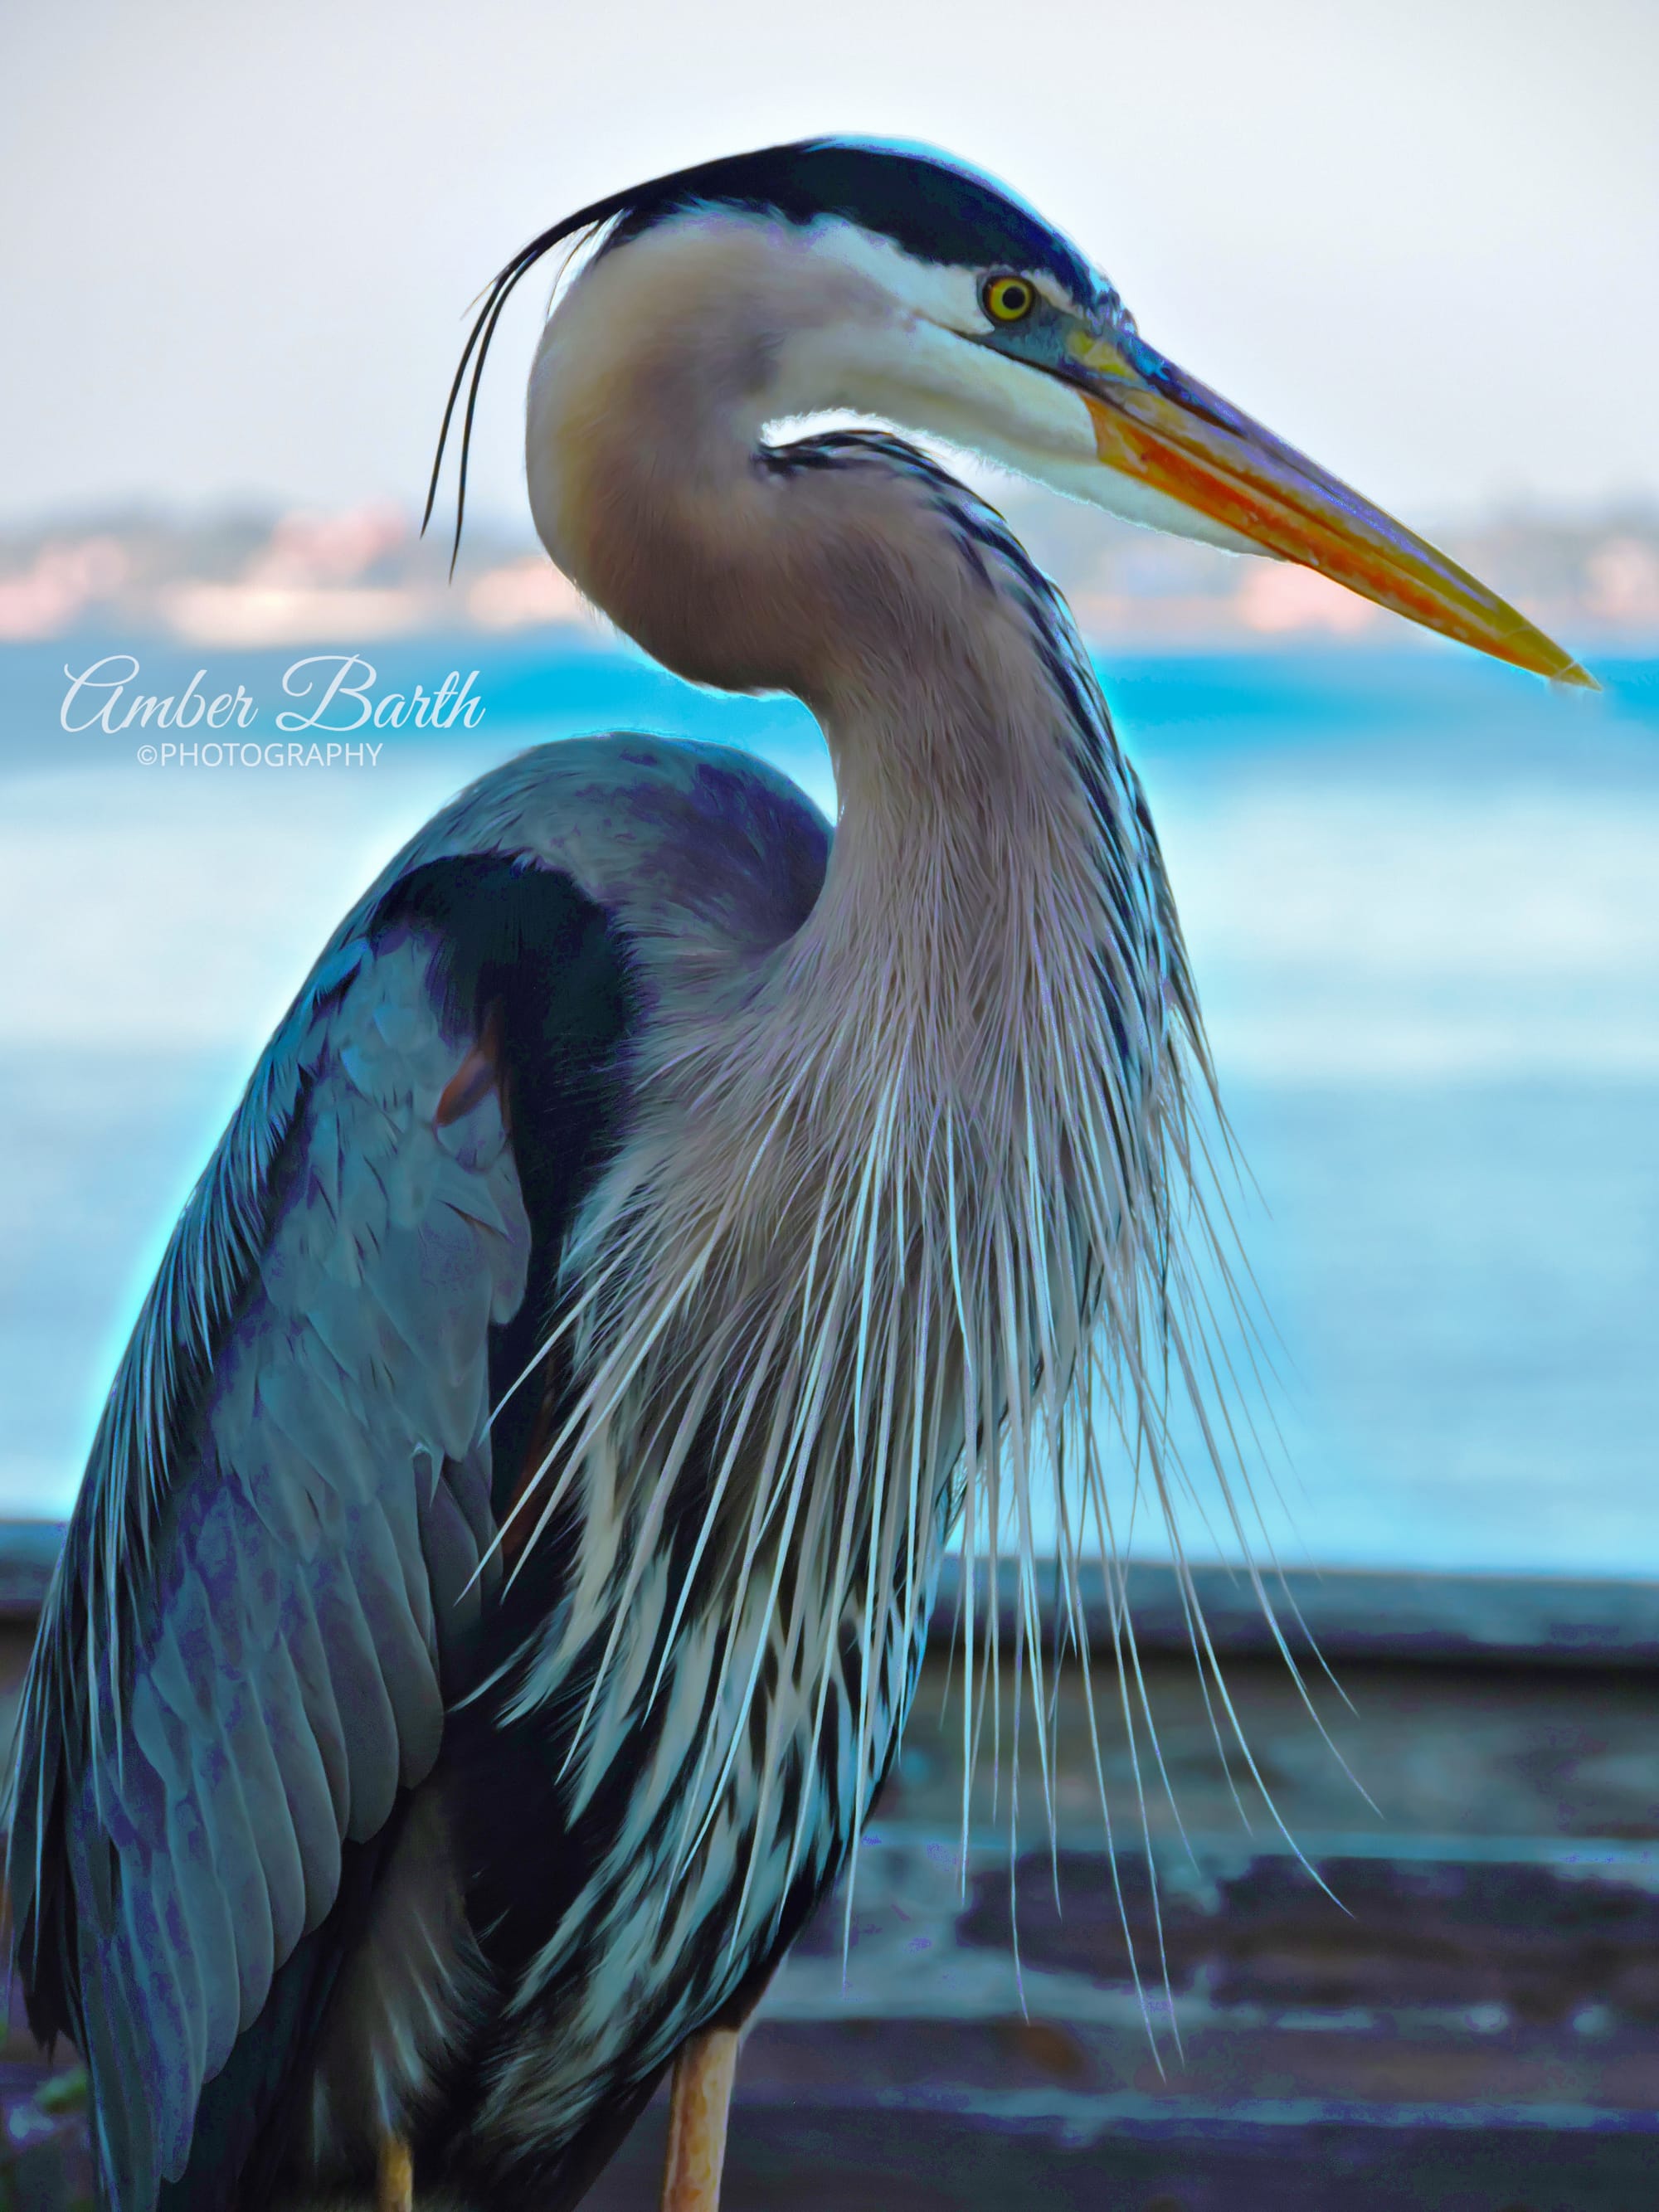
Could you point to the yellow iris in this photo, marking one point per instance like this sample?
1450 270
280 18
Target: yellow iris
1008 299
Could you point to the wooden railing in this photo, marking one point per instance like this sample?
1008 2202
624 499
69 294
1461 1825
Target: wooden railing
1472 2018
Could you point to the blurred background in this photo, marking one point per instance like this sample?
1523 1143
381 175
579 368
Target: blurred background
1422 892
1418 240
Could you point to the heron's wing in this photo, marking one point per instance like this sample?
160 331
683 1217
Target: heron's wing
278 1545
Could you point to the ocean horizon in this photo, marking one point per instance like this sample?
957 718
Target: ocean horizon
1421 893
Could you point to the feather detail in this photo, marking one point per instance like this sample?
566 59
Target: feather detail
900 1231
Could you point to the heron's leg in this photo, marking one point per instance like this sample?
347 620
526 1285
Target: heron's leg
697 2121
394 2180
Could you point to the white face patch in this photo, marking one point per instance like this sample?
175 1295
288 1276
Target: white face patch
912 362
909 371
906 355
929 290
940 293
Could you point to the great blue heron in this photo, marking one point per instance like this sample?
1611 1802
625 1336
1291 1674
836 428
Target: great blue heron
391 1778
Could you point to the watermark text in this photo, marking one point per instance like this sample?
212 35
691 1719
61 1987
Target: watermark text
212 753
338 694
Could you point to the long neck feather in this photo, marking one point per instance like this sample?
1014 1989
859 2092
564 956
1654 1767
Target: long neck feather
899 1217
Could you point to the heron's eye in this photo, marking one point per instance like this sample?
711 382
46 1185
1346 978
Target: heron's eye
1008 299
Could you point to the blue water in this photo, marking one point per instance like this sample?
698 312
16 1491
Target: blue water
1420 894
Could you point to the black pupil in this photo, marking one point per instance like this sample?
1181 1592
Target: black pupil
1013 299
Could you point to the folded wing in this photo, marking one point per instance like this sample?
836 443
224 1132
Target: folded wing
283 1538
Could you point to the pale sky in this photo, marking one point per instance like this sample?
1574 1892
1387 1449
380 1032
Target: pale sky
1420 238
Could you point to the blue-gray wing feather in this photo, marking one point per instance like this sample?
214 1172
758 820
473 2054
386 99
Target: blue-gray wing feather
319 1541
279 1538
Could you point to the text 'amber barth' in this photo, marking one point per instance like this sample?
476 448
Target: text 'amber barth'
338 688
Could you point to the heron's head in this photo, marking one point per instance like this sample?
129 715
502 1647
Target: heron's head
901 284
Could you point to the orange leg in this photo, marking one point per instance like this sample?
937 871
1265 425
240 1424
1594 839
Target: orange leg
394 2183
697 2121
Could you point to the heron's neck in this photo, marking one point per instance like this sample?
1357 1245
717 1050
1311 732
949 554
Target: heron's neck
966 858
846 577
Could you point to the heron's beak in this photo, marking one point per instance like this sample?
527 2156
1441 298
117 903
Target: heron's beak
1154 422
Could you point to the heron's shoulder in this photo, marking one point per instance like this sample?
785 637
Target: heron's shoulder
664 834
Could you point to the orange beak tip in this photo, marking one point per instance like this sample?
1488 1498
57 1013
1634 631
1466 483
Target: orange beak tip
1181 441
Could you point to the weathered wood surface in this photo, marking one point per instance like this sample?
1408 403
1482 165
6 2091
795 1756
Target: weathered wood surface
1344 1613
1358 1613
28 1552
1473 2023
1472 2020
